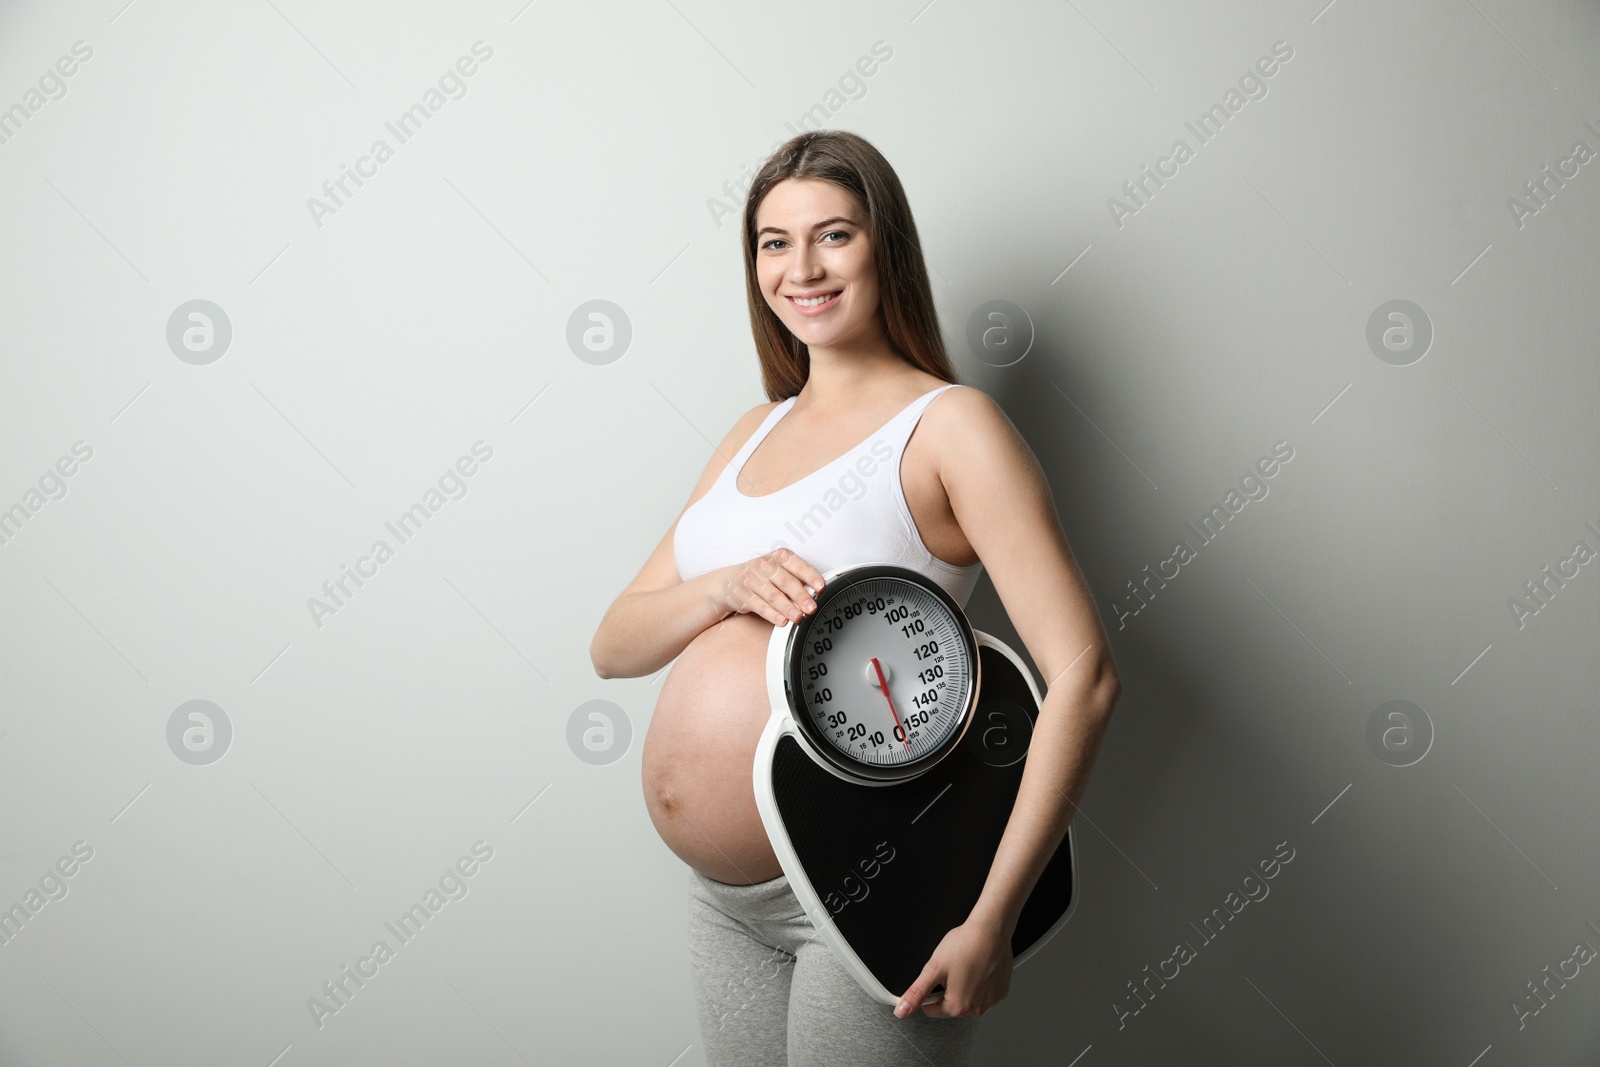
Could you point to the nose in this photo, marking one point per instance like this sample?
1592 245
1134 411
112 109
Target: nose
806 264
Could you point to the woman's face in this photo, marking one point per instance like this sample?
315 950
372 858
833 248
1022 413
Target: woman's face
811 241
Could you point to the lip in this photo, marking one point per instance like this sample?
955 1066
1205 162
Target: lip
820 309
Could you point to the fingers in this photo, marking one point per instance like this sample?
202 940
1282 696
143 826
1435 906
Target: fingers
776 596
775 586
944 1007
736 593
767 596
799 579
753 592
913 998
793 598
802 570
747 595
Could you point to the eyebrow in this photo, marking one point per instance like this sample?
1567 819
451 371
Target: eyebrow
817 226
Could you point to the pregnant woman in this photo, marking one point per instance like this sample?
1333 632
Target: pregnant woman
870 452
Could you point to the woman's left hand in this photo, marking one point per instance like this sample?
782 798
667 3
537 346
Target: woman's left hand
974 963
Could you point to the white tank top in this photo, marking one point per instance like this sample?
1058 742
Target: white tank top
852 511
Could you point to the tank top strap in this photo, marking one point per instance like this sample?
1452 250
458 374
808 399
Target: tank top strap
907 420
737 462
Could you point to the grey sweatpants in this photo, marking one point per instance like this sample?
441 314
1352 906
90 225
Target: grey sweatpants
770 993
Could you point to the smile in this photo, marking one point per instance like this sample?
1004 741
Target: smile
815 303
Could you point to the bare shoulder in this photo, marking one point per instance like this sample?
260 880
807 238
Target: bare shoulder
967 416
731 442
744 426
747 423
966 407
974 435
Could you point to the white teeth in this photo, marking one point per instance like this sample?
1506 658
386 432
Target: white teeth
813 301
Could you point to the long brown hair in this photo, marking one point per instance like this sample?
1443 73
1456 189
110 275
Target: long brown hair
906 300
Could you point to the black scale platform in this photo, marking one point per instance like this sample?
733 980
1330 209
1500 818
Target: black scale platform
910 861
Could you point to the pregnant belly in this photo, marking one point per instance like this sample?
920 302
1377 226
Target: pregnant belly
701 745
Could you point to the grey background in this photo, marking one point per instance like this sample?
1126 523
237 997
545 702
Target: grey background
432 710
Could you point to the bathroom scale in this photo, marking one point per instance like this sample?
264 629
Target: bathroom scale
888 769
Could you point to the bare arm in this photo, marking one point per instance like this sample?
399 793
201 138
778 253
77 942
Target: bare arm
1002 501
645 629
658 614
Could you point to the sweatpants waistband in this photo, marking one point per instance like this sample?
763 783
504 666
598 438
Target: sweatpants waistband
768 901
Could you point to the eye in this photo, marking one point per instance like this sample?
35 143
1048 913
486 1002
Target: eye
841 233
775 240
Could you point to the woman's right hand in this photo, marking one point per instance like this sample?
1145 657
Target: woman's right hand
772 585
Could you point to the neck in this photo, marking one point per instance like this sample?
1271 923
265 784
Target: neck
845 375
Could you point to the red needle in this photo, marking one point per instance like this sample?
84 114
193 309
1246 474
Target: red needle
904 734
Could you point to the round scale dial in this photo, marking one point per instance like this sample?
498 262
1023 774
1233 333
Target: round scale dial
882 676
